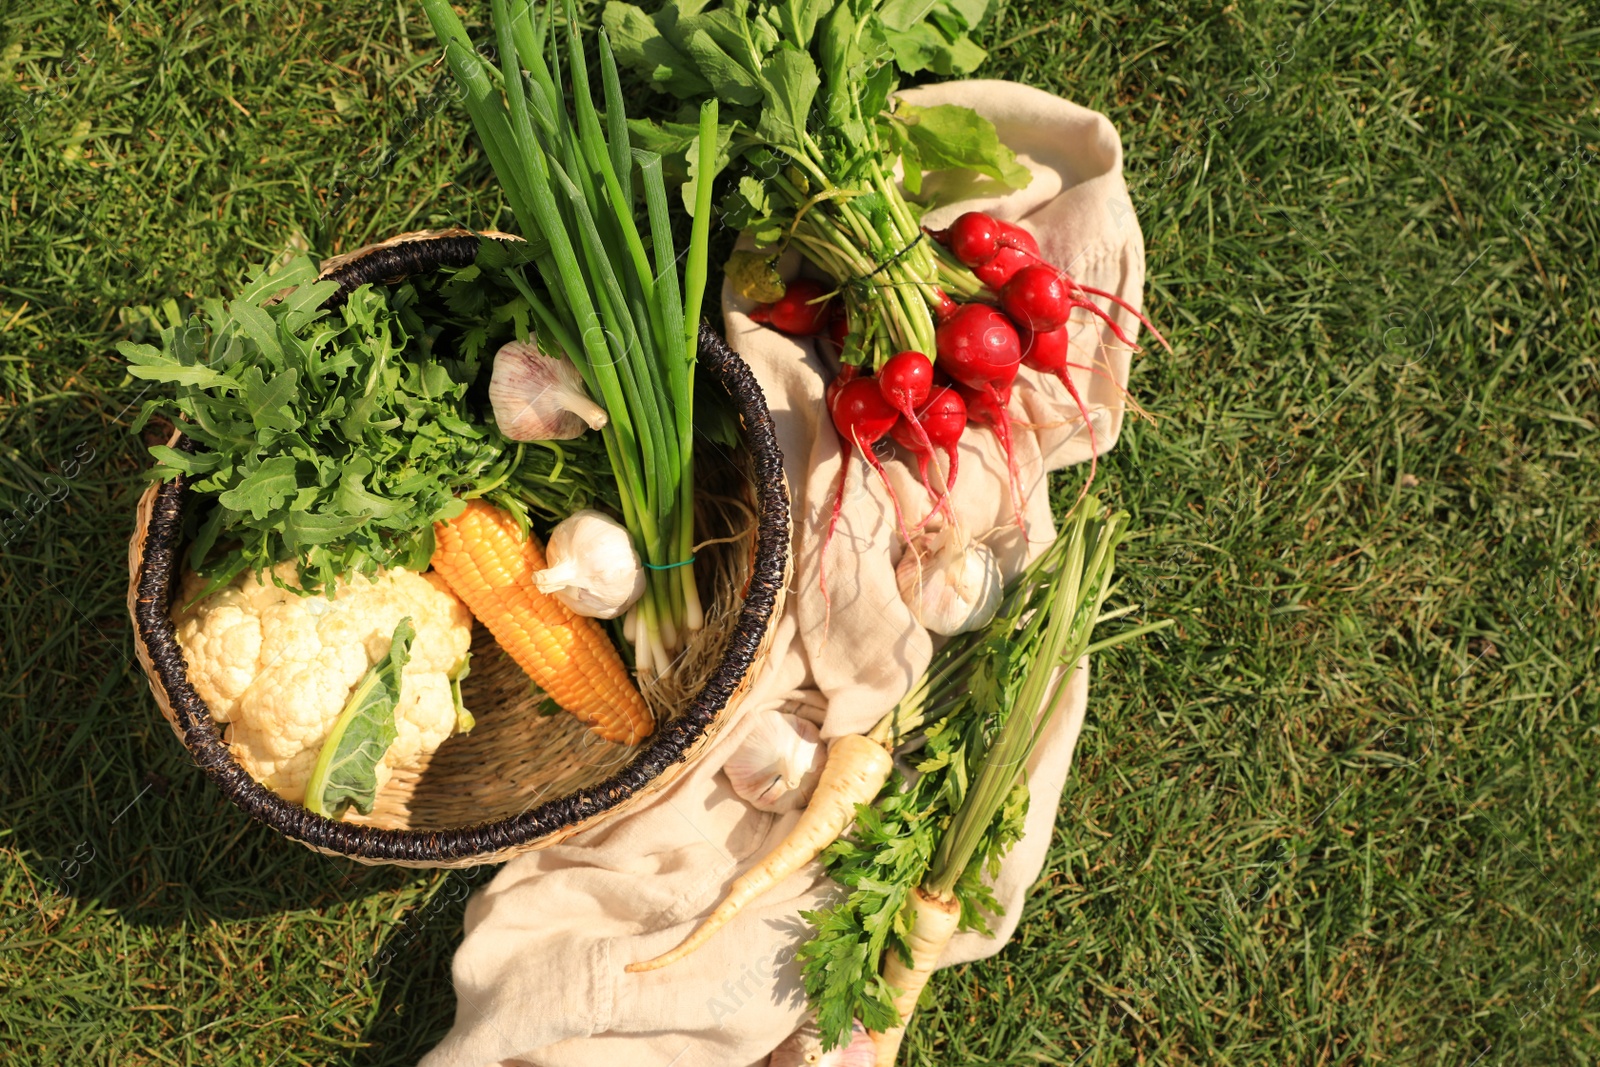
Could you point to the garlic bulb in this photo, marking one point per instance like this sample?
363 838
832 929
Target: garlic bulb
591 566
804 1048
951 586
537 398
777 765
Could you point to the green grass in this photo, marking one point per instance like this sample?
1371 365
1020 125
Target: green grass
1341 814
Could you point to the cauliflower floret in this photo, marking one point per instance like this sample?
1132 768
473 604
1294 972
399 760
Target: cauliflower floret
279 666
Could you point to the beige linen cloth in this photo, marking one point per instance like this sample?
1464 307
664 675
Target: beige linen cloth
539 976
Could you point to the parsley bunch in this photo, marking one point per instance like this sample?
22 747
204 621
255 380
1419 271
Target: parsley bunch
336 439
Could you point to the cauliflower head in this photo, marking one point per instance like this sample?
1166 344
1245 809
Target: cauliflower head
278 666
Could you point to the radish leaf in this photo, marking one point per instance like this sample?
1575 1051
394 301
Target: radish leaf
950 137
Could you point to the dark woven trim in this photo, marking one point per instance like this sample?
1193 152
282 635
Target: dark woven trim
671 744
397 262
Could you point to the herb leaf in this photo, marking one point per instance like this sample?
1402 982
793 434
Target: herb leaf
340 439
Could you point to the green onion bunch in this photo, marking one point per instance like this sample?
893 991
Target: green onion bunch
606 295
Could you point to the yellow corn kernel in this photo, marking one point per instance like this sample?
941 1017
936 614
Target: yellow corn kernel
483 557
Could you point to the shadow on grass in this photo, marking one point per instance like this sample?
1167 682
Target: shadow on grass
415 1002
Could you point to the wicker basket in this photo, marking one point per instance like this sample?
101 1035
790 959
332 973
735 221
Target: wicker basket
521 780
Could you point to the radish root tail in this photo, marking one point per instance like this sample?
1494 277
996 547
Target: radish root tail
877 465
1088 422
1130 309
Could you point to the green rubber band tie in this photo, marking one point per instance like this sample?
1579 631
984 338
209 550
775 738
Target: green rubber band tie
670 566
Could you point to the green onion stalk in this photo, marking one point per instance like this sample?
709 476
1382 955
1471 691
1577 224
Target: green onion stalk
1055 629
603 297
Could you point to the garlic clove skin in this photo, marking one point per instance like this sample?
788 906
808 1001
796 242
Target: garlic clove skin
776 766
953 585
538 398
803 1048
591 566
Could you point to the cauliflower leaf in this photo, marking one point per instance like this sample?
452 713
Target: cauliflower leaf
347 767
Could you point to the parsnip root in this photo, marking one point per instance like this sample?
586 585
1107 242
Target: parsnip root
933 924
856 769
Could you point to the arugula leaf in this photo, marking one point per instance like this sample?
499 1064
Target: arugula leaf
266 281
147 362
354 497
270 403
346 770
265 489
339 439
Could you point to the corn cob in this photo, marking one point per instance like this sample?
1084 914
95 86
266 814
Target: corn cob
483 557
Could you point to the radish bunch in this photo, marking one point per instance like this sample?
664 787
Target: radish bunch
1038 299
1018 318
1006 258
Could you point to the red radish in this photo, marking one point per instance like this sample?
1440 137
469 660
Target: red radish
861 415
978 345
1005 264
979 348
1050 352
848 373
943 419
1044 350
1038 297
1075 298
975 238
987 406
1014 236
905 380
945 307
802 311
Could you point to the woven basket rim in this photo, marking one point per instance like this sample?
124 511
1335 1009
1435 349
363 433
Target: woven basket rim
155 569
